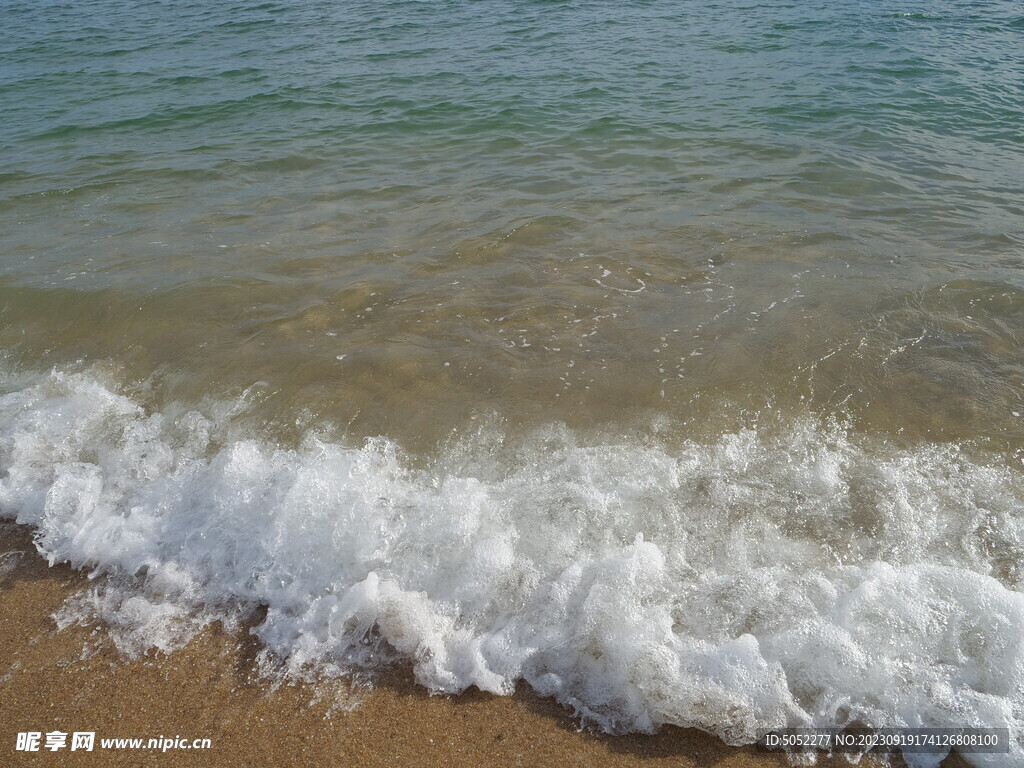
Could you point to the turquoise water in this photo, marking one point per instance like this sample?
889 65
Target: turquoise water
895 126
239 169
496 322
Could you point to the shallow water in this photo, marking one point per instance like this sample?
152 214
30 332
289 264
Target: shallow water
704 314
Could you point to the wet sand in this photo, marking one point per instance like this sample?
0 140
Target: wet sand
75 680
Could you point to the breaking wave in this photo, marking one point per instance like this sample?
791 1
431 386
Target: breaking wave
787 575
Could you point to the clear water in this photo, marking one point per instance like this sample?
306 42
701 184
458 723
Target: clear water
706 315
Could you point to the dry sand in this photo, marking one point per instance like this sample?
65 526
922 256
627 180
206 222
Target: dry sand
211 689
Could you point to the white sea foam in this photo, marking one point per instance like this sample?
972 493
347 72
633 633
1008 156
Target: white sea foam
769 578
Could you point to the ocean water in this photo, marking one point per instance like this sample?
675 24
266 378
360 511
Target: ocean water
664 355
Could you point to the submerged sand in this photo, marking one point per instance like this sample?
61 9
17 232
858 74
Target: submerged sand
75 680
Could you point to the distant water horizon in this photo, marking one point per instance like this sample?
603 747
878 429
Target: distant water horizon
666 357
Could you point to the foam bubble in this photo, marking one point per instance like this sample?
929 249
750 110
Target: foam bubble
769 578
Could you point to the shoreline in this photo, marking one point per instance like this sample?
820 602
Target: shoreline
75 680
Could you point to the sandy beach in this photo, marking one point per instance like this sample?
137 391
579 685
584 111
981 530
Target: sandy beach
74 680
660 362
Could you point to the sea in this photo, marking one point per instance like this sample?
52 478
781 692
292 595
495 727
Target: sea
664 356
